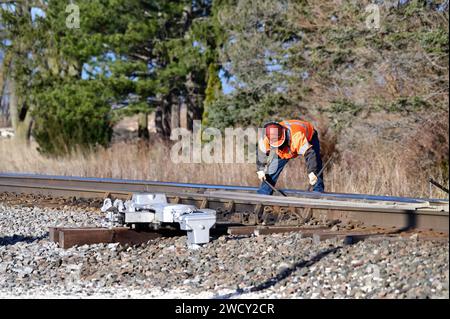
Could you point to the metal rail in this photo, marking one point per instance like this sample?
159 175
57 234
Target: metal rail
239 204
142 185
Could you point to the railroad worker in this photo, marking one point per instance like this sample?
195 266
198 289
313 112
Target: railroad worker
283 141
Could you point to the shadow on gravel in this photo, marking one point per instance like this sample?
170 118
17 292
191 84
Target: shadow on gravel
12 240
282 275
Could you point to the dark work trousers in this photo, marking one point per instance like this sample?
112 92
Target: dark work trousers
277 164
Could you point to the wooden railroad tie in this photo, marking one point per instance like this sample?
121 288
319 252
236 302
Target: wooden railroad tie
68 237
324 233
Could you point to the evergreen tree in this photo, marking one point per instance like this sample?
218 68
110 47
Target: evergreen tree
142 56
17 44
258 38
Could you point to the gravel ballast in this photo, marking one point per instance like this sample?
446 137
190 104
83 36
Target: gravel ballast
271 266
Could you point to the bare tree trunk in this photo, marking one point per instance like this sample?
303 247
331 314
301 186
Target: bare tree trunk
194 102
159 119
175 114
183 115
23 129
13 104
21 119
166 118
4 71
143 126
163 118
20 113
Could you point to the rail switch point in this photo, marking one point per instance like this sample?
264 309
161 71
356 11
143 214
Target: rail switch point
154 210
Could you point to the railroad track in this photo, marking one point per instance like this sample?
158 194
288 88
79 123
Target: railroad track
240 204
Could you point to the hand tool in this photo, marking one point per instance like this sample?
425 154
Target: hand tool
433 182
275 189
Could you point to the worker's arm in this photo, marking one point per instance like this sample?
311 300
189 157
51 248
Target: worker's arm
305 149
262 156
311 161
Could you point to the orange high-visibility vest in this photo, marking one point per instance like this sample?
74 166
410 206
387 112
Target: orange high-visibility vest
299 134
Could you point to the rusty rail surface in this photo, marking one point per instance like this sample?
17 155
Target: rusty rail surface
240 204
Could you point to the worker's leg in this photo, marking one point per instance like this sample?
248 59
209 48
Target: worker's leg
319 186
273 172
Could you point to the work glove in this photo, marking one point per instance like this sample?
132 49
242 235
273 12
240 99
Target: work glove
312 178
261 175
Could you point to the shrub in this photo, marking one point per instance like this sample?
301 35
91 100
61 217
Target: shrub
427 149
72 115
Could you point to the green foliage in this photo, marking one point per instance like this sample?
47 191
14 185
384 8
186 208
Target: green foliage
414 8
342 112
146 53
212 92
72 116
407 105
345 107
435 41
258 40
241 109
343 60
283 58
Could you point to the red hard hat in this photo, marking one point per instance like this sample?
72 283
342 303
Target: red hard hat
275 133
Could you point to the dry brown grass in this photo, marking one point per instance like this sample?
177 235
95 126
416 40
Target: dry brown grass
375 169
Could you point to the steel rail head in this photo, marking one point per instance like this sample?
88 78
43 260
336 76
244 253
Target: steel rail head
6 178
420 214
